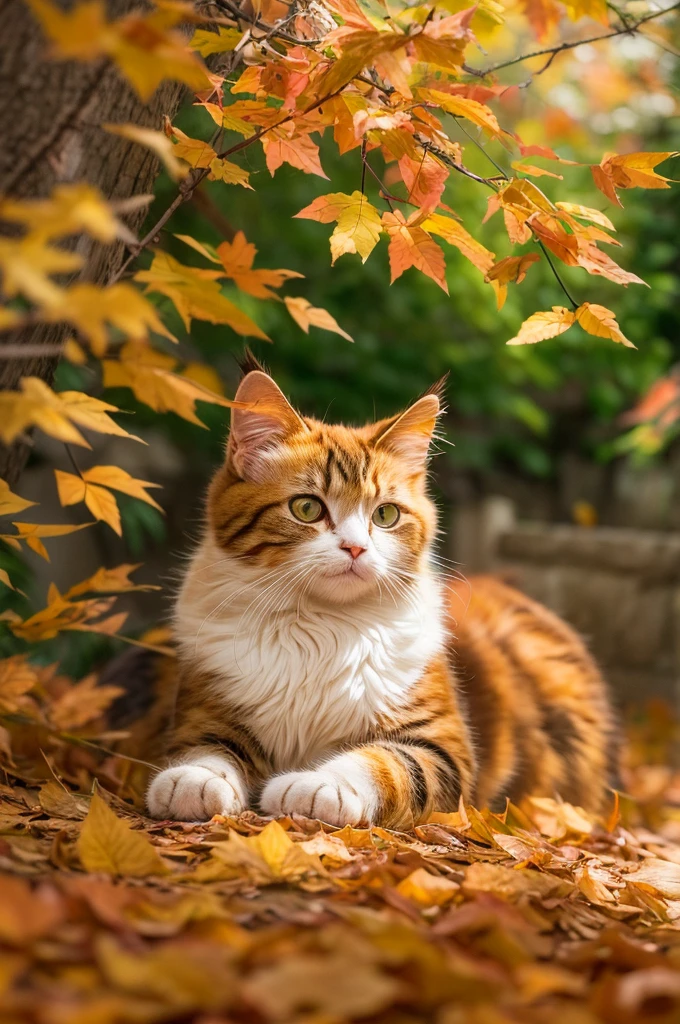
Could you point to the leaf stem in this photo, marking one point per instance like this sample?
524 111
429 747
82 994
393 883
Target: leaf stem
574 305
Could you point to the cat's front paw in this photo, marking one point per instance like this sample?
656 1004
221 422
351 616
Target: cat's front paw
194 792
322 794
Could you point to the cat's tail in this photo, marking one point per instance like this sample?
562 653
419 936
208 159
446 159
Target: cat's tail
143 713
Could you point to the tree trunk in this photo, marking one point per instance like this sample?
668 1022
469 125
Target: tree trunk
50 117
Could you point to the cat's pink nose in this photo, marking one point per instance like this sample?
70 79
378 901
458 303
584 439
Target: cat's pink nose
353 549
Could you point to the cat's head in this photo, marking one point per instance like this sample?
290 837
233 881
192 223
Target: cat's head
343 511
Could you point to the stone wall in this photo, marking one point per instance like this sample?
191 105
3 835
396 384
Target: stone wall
619 587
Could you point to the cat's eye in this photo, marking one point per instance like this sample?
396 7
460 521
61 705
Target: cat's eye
386 516
307 509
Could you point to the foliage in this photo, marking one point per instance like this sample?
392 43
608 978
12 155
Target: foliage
536 914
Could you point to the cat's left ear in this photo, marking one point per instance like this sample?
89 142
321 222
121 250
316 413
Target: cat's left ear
256 430
409 435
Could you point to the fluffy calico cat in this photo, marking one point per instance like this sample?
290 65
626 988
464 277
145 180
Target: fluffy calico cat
326 669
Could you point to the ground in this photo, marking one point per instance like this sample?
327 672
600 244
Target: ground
540 914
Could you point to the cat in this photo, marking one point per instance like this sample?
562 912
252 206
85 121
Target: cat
327 669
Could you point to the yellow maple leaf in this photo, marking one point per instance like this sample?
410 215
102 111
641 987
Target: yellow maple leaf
426 889
26 264
601 322
142 45
107 843
586 213
595 9
461 106
230 173
196 293
101 503
307 315
544 325
11 503
195 152
358 225
17 677
89 308
512 268
157 142
61 614
222 41
69 210
31 533
109 581
93 487
455 234
36 405
148 374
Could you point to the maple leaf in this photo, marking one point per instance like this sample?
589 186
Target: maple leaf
62 615
540 326
11 503
533 171
554 236
455 234
595 9
459 106
597 262
425 179
230 173
222 41
157 142
358 225
148 374
543 16
195 293
195 152
142 45
69 210
307 315
237 258
411 246
93 487
631 170
297 150
107 843
601 322
27 262
512 268
31 533
17 678
89 308
586 213
109 581
81 703
36 405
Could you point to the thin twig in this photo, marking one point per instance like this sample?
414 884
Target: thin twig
480 147
554 50
574 305
450 162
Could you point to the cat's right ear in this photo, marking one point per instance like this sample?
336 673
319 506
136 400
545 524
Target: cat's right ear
257 430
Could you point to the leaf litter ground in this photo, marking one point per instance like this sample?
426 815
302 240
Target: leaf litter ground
539 914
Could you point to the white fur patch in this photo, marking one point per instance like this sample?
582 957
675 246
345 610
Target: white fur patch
340 792
196 790
308 676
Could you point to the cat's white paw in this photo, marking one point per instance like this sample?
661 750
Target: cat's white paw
340 793
194 792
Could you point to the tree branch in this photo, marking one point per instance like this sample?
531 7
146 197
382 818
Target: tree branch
552 51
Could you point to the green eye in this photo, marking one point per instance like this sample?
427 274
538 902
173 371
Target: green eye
386 516
307 509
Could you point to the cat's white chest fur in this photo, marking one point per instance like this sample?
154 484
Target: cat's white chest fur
306 676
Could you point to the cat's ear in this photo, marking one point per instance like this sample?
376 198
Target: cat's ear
409 435
268 420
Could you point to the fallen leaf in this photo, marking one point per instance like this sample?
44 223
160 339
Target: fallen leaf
108 844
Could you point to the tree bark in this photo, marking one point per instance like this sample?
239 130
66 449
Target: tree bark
50 117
